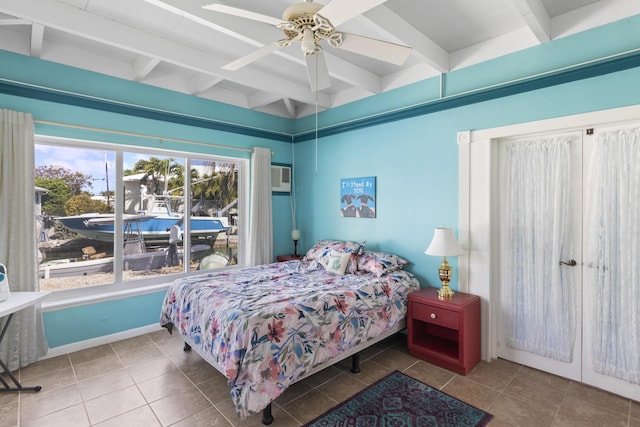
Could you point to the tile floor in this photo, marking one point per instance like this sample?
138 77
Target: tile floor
149 381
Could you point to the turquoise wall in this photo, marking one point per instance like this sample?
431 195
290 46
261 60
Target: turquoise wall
414 159
416 165
94 320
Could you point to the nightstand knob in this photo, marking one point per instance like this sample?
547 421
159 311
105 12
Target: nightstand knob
433 315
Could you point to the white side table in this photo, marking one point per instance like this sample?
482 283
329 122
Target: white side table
16 302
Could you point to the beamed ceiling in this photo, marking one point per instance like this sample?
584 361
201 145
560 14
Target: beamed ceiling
181 46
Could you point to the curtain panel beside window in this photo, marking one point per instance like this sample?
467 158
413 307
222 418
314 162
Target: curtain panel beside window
261 224
25 341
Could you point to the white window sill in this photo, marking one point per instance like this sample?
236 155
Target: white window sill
60 300
96 294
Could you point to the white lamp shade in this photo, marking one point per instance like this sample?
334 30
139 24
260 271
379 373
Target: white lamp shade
295 234
444 243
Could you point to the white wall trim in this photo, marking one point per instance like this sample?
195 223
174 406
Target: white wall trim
612 117
464 138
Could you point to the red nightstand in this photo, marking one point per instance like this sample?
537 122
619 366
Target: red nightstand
444 332
290 257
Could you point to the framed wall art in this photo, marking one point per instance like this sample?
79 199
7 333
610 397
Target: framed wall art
358 197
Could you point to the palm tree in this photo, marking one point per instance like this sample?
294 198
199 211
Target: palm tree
159 171
219 186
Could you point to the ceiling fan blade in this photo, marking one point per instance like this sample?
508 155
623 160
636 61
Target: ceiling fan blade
253 56
229 10
374 48
318 72
340 11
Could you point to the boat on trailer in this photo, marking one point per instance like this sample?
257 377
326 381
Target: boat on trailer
155 221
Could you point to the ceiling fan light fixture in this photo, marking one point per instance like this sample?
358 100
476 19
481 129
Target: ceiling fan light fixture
310 23
334 39
308 41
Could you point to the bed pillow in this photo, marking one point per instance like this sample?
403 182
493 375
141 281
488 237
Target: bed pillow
319 253
380 263
337 262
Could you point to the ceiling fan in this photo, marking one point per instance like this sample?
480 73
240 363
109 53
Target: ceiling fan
311 23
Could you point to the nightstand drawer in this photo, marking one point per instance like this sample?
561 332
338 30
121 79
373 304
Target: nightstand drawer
435 315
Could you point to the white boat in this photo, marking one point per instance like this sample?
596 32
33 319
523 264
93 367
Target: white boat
74 267
144 261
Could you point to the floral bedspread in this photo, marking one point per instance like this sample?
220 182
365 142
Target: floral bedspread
267 326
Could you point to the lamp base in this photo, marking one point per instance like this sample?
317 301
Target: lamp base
445 292
444 272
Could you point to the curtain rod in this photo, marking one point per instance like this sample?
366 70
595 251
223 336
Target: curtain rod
141 135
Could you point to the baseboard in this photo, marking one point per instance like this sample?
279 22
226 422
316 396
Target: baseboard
106 339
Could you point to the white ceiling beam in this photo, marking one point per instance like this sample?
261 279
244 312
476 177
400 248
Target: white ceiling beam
403 33
536 17
507 43
37 39
81 23
260 99
202 83
255 35
143 66
227 96
406 75
14 21
290 106
348 73
593 15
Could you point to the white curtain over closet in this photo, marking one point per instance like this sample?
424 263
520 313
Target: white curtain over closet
612 279
261 224
536 234
24 342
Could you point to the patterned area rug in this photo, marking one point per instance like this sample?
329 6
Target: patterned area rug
401 401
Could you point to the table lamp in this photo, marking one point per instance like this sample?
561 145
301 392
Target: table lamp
444 244
295 235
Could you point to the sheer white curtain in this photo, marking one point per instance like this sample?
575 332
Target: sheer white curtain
261 225
535 235
612 279
24 342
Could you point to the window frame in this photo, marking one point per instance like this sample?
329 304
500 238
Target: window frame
119 289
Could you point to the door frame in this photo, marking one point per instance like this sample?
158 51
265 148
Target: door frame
477 224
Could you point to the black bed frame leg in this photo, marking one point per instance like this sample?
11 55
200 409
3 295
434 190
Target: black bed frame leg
267 418
355 363
186 347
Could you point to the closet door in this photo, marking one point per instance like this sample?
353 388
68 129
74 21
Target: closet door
611 276
540 229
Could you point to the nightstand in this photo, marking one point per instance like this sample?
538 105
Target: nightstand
444 332
289 257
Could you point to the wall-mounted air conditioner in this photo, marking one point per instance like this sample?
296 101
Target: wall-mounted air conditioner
280 179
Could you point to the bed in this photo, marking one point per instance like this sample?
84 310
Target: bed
269 326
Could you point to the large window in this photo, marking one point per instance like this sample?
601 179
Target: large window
111 215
